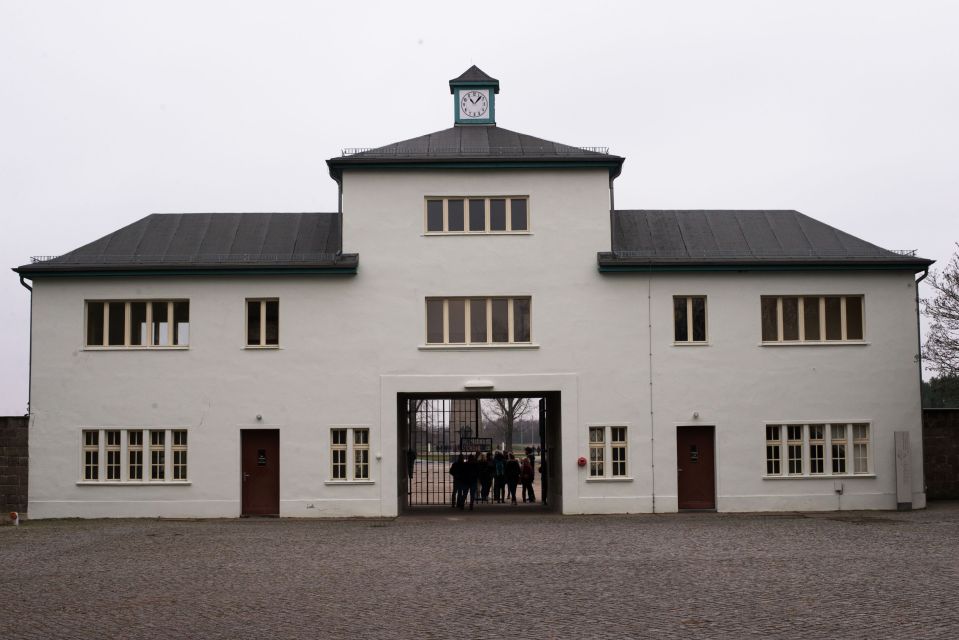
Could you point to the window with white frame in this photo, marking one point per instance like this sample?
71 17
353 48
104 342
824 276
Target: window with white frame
346 444
794 319
817 449
607 452
263 323
137 324
689 319
117 455
476 214
479 321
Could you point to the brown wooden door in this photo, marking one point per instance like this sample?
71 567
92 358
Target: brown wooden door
696 467
261 472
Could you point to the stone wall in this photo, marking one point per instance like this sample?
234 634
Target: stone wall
13 465
940 446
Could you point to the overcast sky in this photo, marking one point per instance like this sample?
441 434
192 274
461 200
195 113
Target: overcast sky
109 111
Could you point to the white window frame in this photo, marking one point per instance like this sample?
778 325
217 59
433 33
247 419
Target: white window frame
801 307
607 447
351 448
689 320
467 310
827 443
466 216
125 447
246 323
128 326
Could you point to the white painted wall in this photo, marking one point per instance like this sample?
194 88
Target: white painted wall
350 344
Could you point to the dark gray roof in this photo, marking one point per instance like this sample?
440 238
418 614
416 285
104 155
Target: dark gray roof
664 239
211 242
473 146
474 76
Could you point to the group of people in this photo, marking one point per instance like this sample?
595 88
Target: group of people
474 476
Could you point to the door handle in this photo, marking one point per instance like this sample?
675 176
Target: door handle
680 469
245 476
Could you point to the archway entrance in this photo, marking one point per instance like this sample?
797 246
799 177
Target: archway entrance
435 429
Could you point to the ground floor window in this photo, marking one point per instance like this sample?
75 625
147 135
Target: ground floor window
817 449
116 455
607 452
349 443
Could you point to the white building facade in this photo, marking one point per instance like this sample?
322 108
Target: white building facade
215 365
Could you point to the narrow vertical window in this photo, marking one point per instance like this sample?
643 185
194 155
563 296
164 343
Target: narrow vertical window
456 215
361 454
477 215
500 308
689 318
434 215
139 330
817 446
521 320
811 318
698 318
790 318
478 321
181 323
157 455
179 455
773 450
252 322
853 318
434 322
838 448
161 324
457 321
91 455
770 319
272 313
833 318
497 214
794 448
597 451
338 454
617 440
115 323
135 454
680 320
519 220
113 455
860 446
95 323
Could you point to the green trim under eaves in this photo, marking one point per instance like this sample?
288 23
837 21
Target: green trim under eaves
686 268
599 164
160 273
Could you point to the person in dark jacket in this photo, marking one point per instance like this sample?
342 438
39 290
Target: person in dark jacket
485 476
499 477
526 475
458 471
512 476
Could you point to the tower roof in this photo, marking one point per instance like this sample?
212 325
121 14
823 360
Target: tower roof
474 76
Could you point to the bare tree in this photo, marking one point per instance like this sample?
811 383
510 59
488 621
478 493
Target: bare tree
941 350
507 410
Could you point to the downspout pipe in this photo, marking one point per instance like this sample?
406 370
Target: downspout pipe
30 352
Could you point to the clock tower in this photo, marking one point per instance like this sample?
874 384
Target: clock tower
474 97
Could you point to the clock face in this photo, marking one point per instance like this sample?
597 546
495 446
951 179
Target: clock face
474 103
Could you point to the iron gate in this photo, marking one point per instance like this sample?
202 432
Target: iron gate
439 429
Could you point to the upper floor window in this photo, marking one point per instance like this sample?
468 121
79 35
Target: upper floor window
689 318
503 214
138 323
812 318
262 323
478 320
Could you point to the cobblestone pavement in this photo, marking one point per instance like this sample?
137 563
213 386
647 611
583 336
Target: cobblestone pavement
488 574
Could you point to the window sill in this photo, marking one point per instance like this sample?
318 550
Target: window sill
477 347
440 234
348 482
133 483
699 343
139 348
611 479
818 343
823 476
262 347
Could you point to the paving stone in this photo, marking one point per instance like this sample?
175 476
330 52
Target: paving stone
488 574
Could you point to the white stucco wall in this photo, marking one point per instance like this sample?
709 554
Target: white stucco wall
348 345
